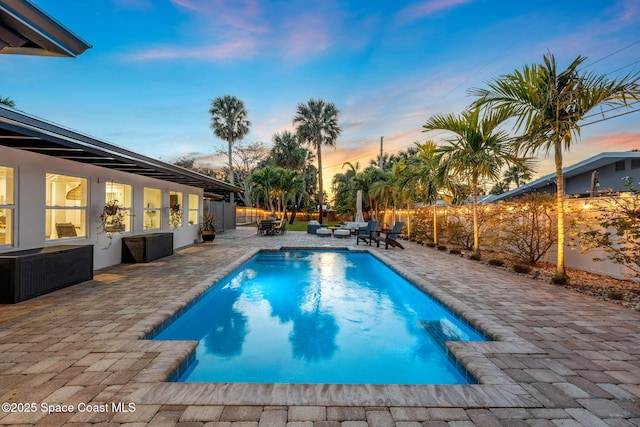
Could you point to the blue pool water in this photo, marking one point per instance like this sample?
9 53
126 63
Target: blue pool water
323 317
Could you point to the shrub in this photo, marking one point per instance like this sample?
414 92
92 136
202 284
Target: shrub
455 252
475 256
615 294
496 262
522 268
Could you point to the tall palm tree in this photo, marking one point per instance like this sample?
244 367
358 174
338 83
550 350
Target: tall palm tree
479 149
548 105
5 100
317 126
229 123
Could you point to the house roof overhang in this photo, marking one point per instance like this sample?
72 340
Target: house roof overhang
21 131
26 29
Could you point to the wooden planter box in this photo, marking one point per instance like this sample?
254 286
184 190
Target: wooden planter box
29 273
146 247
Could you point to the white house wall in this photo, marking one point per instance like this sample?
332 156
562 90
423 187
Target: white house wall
29 221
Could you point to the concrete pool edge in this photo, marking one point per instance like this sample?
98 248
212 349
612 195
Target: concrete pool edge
495 388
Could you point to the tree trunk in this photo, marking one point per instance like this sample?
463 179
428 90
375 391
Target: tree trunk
476 228
320 189
561 274
231 180
435 223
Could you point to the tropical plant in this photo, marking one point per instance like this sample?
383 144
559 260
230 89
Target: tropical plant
616 229
527 227
425 176
478 149
548 105
229 123
5 100
175 215
111 220
208 223
317 125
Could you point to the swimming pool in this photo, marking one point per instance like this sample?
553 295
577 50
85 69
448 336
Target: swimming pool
319 317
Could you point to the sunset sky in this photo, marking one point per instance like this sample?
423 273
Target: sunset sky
155 66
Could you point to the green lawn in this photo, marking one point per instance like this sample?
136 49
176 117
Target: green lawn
300 225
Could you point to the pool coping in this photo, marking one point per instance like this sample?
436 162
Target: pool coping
495 388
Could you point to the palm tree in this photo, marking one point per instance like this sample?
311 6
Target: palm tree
5 100
517 174
317 126
229 123
479 149
548 105
425 175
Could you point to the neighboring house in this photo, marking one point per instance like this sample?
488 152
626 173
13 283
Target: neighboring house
591 177
55 182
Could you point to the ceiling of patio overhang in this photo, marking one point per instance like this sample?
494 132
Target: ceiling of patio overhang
27 30
24 132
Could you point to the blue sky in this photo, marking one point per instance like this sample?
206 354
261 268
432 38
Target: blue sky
156 65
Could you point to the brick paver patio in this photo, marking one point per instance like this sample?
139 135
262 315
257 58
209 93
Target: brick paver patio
560 358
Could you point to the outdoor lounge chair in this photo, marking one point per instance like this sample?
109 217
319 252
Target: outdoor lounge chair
368 234
391 237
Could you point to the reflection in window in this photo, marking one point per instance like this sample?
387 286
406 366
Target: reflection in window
7 206
194 208
120 194
175 209
66 207
152 206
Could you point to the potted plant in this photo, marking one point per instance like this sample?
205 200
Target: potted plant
111 220
208 227
175 216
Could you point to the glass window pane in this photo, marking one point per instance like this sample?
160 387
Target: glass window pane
6 186
65 223
65 190
194 206
122 194
175 209
6 226
152 205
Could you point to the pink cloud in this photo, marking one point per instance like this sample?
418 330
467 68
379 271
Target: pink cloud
425 8
242 48
305 34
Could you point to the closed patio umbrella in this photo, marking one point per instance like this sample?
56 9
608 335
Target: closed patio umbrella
359 216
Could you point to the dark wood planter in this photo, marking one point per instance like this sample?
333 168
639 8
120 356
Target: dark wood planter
208 236
29 273
146 247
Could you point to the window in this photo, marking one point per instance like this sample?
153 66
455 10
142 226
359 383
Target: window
152 205
121 195
175 209
7 206
620 166
194 208
66 207
635 163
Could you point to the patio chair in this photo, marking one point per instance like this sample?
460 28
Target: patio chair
391 236
280 227
368 234
266 228
66 229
